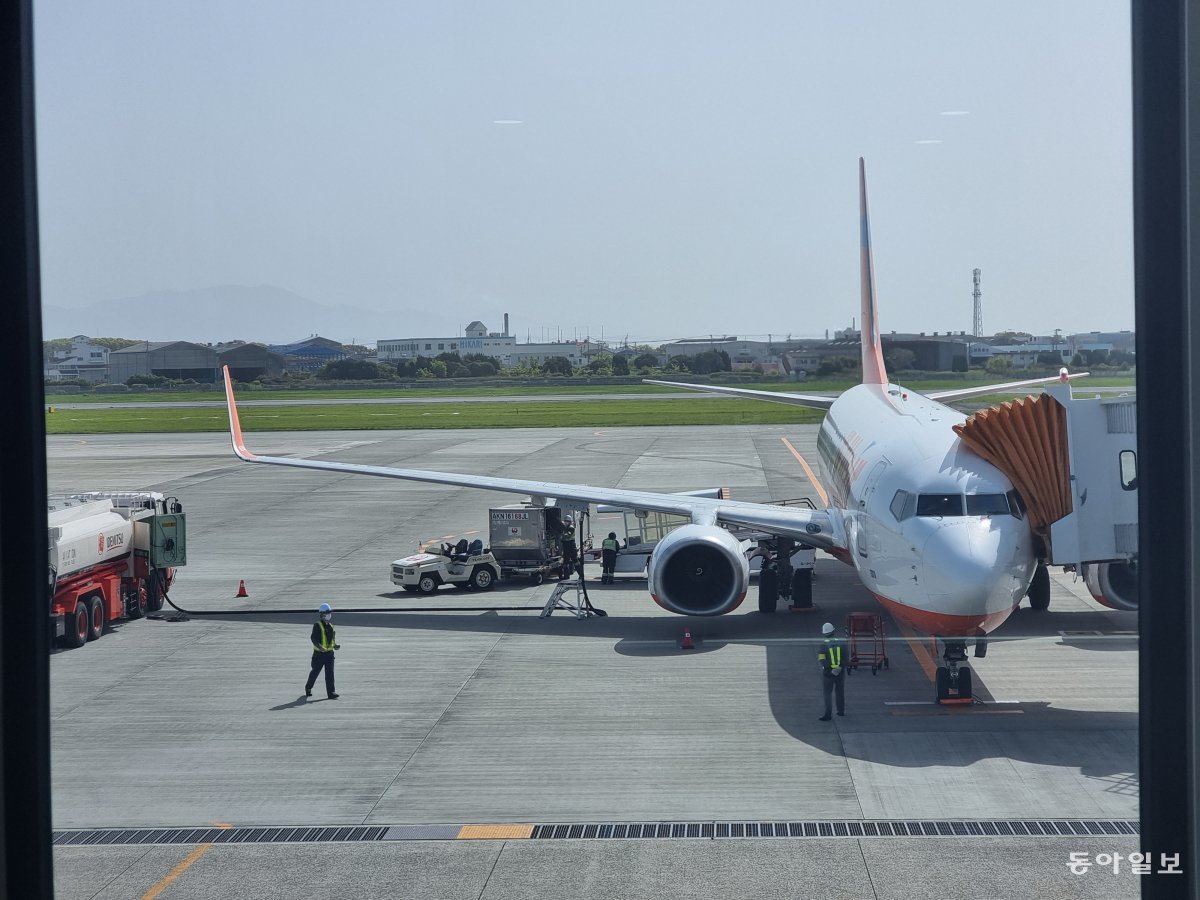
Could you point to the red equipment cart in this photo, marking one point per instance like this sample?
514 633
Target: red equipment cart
868 643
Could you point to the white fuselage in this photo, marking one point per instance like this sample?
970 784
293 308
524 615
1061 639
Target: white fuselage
934 531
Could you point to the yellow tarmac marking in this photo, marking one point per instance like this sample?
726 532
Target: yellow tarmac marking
919 651
494 832
808 471
176 872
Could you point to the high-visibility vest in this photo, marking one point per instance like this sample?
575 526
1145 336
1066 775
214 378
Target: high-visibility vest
326 638
610 544
834 650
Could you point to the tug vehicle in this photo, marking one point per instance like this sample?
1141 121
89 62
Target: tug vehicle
462 565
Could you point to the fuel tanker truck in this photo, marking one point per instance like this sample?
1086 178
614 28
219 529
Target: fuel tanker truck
112 556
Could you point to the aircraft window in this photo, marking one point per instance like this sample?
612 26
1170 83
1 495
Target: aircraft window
987 505
898 503
1128 470
1016 504
940 505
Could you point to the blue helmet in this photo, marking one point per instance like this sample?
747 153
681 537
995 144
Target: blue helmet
324 608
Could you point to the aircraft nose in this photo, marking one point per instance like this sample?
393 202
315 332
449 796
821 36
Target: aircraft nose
965 562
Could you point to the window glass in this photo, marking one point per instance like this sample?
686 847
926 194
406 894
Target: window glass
1128 470
897 505
1016 504
940 505
987 505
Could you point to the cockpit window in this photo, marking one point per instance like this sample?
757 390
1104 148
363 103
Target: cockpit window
1016 504
940 505
987 505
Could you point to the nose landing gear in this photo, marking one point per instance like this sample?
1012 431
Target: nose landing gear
952 684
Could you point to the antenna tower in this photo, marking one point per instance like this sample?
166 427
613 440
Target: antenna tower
978 295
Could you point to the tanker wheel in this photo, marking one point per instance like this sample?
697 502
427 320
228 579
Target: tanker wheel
137 609
95 618
154 595
77 626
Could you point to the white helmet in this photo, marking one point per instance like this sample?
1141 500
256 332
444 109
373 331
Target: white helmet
324 608
827 628
567 520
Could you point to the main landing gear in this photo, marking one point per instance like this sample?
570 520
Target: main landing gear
1039 588
953 682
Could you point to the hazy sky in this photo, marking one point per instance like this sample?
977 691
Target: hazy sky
661 169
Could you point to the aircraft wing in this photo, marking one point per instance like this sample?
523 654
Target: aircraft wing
813 527
812 401
963 393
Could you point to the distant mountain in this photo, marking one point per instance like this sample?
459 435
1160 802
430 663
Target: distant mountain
264 313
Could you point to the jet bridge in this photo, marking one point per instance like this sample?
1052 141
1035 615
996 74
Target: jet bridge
1073 460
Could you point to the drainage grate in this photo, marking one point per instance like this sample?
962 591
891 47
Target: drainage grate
609 831
847 829
219 835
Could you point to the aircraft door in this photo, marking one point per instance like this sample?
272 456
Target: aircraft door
867 539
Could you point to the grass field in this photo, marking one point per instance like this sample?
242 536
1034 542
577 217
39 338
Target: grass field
597 413
467 389
600 413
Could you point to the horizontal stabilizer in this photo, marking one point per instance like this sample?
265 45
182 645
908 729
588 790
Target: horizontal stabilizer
812 401
981 390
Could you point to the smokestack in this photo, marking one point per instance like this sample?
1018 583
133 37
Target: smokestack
506 324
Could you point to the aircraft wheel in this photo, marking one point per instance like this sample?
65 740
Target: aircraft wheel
483 578
802 588
941 684
77 626
768 591
95 618
964 683
427 585
1039 588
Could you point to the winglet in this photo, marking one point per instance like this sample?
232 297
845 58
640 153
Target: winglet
235 427
873 371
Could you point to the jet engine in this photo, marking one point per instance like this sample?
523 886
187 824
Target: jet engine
698 570
1115 584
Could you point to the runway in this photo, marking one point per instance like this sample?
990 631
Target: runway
448 721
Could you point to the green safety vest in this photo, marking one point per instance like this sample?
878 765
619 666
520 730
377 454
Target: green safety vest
610 544
326 645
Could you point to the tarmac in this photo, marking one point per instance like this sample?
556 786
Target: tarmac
496 754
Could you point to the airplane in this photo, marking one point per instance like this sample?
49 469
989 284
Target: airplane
938 535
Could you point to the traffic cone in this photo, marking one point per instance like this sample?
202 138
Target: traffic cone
686 643
241 590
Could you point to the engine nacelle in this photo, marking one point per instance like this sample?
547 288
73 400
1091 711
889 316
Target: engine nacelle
698 570
1115 584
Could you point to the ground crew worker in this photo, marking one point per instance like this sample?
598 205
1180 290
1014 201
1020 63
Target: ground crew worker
570 551
608 551
833 657
323 647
